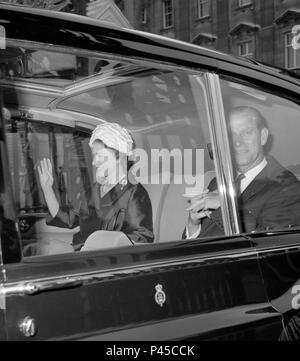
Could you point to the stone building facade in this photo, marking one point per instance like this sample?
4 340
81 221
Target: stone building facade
258 29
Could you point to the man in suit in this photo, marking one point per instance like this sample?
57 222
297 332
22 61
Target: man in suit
268 194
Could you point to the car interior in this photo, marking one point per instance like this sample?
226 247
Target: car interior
52 111
157 106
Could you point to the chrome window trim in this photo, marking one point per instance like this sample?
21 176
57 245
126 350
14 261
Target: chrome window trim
221 149
32 286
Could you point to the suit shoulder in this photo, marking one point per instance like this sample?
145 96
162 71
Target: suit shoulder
282 175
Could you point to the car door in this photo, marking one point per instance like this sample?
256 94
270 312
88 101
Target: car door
189 289
147 293
276 244
202 288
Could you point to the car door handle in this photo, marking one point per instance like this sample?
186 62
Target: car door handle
57 285
32 288
54 285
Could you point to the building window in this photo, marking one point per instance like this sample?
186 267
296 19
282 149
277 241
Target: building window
242 3
167 14
291 55
144 15
203 8
245 48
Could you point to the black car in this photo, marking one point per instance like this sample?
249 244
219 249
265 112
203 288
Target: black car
61 75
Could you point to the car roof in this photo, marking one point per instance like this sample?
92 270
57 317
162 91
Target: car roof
114 31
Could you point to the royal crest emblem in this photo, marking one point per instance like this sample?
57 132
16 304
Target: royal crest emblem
160 296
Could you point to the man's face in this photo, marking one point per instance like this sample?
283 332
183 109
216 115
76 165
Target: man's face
247 140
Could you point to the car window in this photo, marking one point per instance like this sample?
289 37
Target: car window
34 65
9 236
55 100
29 142
264 131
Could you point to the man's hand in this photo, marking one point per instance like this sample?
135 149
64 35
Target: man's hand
45 174
205 201
201 206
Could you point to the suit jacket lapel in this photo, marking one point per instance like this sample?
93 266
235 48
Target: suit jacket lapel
263 180
253 188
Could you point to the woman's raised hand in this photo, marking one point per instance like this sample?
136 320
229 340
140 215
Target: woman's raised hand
45 174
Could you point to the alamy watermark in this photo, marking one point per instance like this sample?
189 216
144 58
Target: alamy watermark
160 166
296 298
296 37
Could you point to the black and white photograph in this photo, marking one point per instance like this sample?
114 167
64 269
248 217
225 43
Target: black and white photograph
150 173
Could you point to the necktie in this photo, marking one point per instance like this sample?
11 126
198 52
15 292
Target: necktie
237 183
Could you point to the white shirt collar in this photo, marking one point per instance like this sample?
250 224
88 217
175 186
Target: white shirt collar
251 174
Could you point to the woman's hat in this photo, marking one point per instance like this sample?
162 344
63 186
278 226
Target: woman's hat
113 136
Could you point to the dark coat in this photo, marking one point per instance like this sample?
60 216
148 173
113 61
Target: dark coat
125 208
271 201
